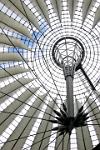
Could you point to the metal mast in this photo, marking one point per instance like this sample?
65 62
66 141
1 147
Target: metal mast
68 53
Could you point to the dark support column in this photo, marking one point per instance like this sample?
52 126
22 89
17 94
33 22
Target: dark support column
69 73
70 103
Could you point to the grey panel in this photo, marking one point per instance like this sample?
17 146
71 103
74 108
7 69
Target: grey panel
13 86
23 11
12 70
10 22
44 126
24 127
11 41
14 107
10 57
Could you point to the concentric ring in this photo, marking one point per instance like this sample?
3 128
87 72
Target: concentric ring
45 65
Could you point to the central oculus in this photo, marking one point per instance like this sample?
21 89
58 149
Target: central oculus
68 51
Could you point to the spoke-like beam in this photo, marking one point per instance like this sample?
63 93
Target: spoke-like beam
87 78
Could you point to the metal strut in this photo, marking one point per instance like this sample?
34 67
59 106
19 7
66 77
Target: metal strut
68 53
69 74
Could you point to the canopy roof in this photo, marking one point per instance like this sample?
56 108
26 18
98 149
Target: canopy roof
31 83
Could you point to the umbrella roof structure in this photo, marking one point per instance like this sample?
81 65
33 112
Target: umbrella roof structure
35 36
